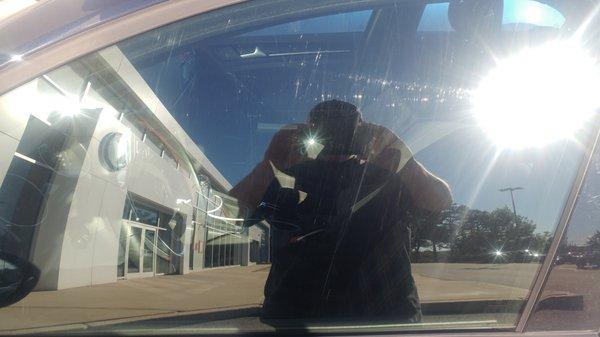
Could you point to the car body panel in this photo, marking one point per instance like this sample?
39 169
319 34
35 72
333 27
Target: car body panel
103 35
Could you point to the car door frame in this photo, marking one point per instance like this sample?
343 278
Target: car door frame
111 32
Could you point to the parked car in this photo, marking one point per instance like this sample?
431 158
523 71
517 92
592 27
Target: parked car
588 259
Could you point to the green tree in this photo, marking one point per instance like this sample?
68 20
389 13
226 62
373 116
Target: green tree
541 242
474 235
593 242
482 233
434 230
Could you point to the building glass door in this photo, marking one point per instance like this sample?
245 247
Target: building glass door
133 246
140 250
149 256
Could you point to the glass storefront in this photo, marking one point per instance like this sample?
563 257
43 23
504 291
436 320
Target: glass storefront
122 249
199 218
149 250
223 245
224 239
133 264
150 238
153 240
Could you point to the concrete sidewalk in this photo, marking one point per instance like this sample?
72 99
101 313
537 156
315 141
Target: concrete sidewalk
204 291
146 297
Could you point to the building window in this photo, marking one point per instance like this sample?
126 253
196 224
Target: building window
167 229
22 197
139 212
24 190
224 241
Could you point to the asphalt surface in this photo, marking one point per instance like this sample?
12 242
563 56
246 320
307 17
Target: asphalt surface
228 300
518 275
567 278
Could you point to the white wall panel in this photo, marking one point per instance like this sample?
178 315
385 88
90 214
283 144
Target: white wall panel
106 238
79 236
15 108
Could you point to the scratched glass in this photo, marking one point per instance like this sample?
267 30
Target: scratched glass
372 166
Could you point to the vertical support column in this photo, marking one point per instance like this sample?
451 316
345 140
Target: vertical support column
245 247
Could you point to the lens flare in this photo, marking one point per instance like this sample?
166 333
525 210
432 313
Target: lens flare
538 96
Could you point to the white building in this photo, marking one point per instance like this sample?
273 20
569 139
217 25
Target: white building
100 182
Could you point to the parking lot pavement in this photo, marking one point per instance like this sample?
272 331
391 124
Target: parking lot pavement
432 290
216 289
471 281
569 279
228 289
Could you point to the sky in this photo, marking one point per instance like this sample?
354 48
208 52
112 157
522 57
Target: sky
233 113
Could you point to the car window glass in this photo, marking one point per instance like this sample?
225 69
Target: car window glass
337 23
531 13
373 166
517 14
435 18
570 298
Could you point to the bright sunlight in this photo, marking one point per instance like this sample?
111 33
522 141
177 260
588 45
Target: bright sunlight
538 96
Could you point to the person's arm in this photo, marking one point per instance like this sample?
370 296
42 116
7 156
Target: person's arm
389 152
282 153
251 189
426 190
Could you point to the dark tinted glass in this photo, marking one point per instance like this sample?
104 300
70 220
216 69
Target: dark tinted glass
135 245
144 214
21 201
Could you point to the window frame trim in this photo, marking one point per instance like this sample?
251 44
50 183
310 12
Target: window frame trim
135 23
105 35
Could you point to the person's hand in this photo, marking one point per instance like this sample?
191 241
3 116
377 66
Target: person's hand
388 151
383 148
284 151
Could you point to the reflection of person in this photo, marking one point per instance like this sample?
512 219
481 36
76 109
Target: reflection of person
336 191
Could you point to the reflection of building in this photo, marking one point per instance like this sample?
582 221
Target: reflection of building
99 181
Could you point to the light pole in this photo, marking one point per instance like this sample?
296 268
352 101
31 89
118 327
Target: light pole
512 198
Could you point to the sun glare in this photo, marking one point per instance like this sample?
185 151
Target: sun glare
538 96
